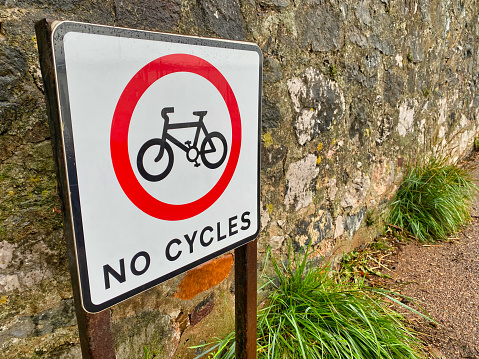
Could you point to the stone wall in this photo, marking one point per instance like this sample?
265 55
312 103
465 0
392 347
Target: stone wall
353 90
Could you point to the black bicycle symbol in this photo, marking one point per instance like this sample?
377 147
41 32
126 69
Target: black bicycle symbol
192 152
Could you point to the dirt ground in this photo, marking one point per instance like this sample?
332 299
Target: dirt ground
444 279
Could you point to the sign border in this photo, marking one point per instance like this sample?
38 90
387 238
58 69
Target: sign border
73 196
170 64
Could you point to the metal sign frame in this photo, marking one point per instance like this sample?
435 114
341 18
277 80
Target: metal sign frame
95 329
59 32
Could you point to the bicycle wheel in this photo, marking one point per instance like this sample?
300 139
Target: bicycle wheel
154 145
215 148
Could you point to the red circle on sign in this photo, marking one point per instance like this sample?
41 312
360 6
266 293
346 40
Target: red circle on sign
129 98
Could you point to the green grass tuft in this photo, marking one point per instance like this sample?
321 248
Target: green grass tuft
312 313
433 201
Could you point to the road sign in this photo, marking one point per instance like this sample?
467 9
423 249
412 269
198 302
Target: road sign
161 143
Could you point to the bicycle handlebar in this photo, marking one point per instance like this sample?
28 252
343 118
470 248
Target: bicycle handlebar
165 111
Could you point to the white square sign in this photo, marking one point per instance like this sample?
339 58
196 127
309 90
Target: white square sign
161 136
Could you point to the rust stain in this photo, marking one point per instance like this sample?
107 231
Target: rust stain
204 277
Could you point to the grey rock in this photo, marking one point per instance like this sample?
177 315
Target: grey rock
359 115
148 327
451 76
362 12
302 226
383 45
443 18
322 224
23 328
13 67
274 4
270 114
151 14
8 114
59 317
65 5
355 75
385 128
416 45
73 352
42 323
319 103
372 61
6 254
321 27
272 155
352 223
300 182
302 237
356 37
271 70
424 8
324 227
468 50
411 81
224 18
393 88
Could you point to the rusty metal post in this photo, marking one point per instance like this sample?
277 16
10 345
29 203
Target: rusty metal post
246 300
96 338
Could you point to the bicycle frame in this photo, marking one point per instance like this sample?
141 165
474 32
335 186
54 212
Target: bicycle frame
167 126
192 151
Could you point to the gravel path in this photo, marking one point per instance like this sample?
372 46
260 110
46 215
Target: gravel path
444 278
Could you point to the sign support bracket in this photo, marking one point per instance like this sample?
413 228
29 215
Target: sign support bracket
246 300
96 338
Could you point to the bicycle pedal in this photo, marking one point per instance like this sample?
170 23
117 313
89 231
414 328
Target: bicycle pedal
188 143
197 164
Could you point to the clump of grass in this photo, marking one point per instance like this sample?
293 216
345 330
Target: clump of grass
223 348
312 313
433 201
